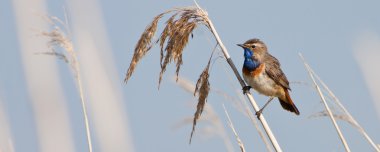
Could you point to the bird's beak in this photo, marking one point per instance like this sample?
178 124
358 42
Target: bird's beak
241 45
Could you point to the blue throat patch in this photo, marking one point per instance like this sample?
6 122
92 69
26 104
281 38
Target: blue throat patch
249 63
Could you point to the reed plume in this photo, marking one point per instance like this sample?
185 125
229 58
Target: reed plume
59 39
172 41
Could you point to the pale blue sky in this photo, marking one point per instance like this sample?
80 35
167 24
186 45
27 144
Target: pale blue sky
323 31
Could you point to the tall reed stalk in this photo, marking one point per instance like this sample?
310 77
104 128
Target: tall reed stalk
58 39
350 119
346 115
330 114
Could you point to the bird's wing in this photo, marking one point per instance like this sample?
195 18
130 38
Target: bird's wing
273 70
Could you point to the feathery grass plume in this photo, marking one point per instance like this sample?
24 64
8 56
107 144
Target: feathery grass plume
143 45
209 116
58 39
173 40
202 89
165 33
178 29
178 38
244 109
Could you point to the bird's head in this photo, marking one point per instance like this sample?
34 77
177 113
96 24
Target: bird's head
254 47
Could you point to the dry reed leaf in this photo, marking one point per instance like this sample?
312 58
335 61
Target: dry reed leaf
202 89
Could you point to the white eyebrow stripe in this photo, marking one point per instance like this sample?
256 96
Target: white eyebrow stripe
257 44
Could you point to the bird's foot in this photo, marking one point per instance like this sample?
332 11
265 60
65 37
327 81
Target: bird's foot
246 89
258 113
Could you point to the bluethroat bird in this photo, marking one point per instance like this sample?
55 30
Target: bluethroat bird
262 72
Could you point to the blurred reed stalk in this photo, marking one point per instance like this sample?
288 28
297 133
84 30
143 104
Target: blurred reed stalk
240 143
58 39
100 77
255 123
45 95
6 139
178 29
346 115
330 114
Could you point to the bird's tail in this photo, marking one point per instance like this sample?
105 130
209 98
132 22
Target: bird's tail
287 103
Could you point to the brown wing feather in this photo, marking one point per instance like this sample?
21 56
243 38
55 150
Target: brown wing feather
288 104
273 70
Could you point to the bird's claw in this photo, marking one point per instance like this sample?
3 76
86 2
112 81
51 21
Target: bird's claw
258 113
246 89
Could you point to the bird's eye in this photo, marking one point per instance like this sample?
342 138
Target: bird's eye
253 46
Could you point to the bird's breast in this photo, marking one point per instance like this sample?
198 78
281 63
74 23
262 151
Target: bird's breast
261 82
255 72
